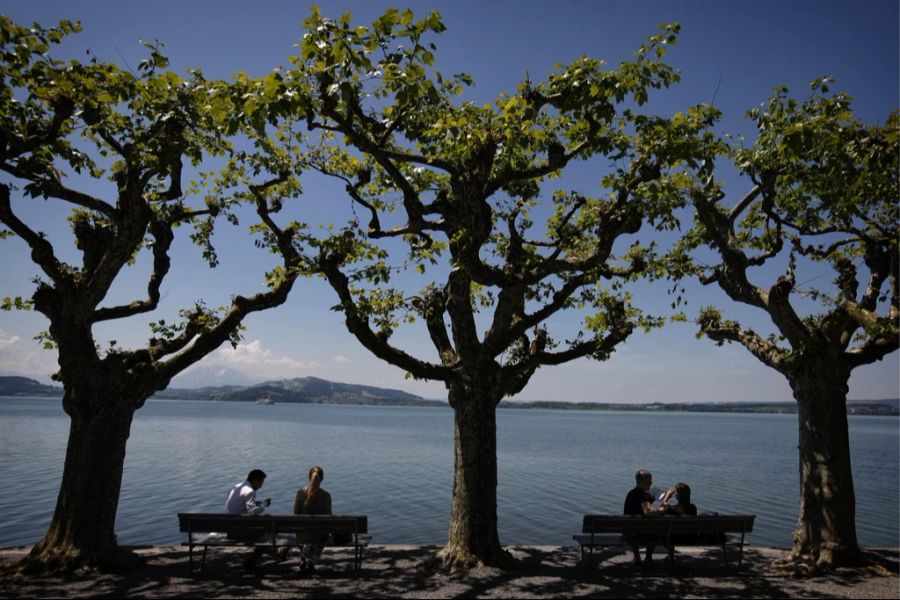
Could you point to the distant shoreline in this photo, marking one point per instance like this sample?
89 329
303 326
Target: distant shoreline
313 390
879 408
854 407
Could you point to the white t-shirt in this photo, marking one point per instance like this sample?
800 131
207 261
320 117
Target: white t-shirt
242 500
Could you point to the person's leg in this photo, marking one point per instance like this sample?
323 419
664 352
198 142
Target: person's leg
250 563
311 553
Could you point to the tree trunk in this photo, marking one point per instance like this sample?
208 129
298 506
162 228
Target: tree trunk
826 530
473 540
81 536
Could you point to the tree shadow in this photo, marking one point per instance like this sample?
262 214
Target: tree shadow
391 572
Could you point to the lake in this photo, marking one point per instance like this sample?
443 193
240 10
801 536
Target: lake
395 464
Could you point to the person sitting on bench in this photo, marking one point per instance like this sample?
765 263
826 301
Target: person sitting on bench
682 493
242 496
242 501
639 501
312 500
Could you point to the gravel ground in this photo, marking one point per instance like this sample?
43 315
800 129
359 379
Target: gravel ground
390 571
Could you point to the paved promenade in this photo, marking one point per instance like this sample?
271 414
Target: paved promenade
389 571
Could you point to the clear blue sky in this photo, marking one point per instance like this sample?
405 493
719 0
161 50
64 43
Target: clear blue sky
733 51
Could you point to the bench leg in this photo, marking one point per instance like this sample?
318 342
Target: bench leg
191 557
357 558
203 560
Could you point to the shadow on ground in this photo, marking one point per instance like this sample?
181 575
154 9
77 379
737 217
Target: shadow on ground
391 572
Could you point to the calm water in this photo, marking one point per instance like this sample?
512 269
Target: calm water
395 464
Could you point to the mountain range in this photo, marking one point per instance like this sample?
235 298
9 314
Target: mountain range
308 390
305 390
312 390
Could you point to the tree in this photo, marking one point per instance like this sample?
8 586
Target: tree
455 187
824 194
61 120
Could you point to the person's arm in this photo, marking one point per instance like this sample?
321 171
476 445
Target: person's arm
328 504
648 509
254 506
664 503
298 502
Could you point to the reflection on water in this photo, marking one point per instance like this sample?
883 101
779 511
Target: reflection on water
396 465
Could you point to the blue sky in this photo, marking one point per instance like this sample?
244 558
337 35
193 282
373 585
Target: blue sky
733 52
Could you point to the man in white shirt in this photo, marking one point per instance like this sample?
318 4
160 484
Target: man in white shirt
242 501
242 497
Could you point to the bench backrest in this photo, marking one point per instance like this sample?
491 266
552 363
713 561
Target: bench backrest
671 524
208 522
341 524
224 523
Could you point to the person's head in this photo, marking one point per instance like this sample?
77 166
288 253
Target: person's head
316 475
683 493
643 479
256 478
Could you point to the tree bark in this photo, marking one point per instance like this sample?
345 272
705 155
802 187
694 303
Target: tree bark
81 536
825 536
473 540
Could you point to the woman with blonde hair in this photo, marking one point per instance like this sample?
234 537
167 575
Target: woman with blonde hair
312 500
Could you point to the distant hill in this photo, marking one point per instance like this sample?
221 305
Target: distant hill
23 386
305 390
312 390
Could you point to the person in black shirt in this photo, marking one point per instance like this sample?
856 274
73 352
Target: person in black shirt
682 492
639 502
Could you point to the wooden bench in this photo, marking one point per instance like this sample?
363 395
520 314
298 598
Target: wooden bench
275 531
671 531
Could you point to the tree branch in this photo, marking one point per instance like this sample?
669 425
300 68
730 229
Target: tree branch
499 338
433 309
358 325
516 376
767 352
741 206
459 307
873 349
54 188
163 237
783 314
41 249
554 163
731 275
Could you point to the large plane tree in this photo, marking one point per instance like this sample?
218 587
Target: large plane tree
461 192
116 147
822 199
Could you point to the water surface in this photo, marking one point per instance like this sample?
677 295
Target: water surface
395 464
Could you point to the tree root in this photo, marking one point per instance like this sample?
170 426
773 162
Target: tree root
456 560
805 562
71 561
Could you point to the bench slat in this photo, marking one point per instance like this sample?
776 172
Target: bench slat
216 529
600 531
